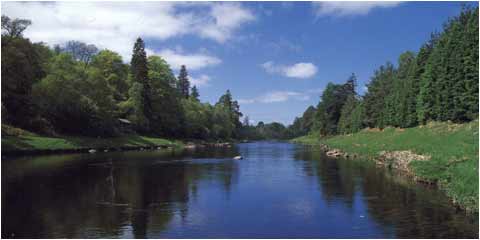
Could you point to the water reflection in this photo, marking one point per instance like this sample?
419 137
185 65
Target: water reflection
278 190
402 207
104 195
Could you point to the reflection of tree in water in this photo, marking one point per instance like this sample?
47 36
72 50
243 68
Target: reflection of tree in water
337 182
413 210
101 198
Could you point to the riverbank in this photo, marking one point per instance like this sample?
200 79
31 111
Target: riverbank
444 154
18 141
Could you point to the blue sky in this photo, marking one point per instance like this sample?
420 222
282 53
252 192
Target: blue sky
275 57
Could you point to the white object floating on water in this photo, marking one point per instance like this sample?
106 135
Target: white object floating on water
92 151
237 158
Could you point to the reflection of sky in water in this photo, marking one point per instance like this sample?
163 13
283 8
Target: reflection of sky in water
279 190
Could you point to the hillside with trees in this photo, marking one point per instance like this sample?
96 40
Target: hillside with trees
78 89
439 83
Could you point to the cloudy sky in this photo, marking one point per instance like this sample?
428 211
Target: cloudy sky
275 57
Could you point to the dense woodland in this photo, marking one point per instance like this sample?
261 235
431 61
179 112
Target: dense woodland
77 89
439 83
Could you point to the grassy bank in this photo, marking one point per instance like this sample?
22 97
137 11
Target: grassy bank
17 140
453 149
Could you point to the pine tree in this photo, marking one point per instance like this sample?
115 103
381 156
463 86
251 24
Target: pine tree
414 81
449 85
226 100
139 70
183 83
233 108
378 89
396 100
350 85
195 95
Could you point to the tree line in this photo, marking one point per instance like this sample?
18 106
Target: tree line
77 89
439 83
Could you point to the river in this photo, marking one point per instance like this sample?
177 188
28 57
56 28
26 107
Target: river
278 190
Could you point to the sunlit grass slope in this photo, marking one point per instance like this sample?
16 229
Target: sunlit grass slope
14 139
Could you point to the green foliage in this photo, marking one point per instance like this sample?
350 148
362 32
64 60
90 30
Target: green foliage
449 85
22 66
134 107
222 125
75 101
352 116
111 66
17 139
168 114
232 108
197 117
379 88
302 125
273 130
398 100
330 107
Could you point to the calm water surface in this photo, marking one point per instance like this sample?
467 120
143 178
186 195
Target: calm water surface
279 190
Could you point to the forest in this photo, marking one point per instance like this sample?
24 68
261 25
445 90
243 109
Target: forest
77 89
438 83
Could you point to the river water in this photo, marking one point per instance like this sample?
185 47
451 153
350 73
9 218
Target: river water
279 190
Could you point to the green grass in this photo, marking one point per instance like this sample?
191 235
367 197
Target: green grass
14 139
453 149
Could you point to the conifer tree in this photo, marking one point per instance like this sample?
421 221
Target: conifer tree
195 95
378 89
183 83
139 70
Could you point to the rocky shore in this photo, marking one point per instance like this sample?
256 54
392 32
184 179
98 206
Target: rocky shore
398 160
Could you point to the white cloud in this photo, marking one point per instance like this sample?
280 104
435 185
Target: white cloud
116 25
298 70
201 81
301 70
193 61
275 97
224 19
349 8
